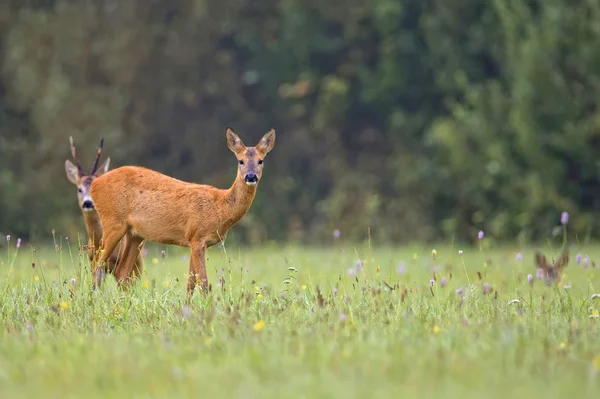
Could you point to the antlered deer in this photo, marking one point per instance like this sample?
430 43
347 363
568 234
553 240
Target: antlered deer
142 204
83 181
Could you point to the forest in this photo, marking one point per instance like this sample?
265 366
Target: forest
396 120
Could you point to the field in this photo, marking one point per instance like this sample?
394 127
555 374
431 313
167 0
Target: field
297 322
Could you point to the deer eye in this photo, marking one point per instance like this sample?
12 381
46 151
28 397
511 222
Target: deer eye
79 191
260 161
241 161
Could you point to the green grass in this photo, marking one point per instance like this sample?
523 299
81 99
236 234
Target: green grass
364 340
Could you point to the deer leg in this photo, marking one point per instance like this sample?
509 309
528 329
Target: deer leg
110 239
126 271
197 268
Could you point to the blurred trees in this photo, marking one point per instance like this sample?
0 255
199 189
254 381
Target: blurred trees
421 119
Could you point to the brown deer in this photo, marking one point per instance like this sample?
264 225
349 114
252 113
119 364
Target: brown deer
554 271
93 226
142 204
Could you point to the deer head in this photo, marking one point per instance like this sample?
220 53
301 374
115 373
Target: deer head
250 159
553 271
83 180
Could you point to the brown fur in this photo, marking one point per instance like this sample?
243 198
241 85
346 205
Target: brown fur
142 204
554 271
93 226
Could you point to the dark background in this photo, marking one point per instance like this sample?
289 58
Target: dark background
418 119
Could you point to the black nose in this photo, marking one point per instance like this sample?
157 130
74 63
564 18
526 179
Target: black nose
87 204
251 178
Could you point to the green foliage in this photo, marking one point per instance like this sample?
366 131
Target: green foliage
414 119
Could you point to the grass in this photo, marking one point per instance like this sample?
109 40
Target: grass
300 322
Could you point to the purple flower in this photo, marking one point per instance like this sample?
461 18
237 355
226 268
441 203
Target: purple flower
145 252
539 273
460 251
578 258
401 268
343 317
351 272
431 282
186 311
530 277
184 257
519 256
486 288
586 261
480 234
459 291
8 237
443 282
73 281
29 326
564 218
163 253
336 233
335 291
358 265
18 243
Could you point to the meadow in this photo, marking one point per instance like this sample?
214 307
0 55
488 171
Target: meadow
287 321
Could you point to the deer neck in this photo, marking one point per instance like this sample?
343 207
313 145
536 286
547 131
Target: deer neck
93 227
239 198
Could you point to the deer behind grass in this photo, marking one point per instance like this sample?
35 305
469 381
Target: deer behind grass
553 271
83 182
142 204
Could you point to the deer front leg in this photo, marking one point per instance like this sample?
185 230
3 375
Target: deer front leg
197 268
129 267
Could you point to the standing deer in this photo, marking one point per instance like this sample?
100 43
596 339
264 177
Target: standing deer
93 226
142 204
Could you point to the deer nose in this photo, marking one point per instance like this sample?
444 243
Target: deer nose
251 178
87 204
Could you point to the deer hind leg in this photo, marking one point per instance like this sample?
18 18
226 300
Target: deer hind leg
197 273
129 267
110 239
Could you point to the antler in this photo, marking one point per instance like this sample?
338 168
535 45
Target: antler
95 165
74 154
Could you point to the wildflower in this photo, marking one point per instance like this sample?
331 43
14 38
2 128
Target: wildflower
358 265
586 261
436 329
595 314
184 258
530 277
259 296
351 272
8 237
431 282
562 346
335 291
434 253
336 233
154 261
578 258
145 284
73 281
36 278
304 287
29 326
460 252
401 268
539 273
564 218
480 234
186 311
145 253
519 256
378 268
343 317
486 288
259 325
459 291
443 282
64 305
163 253
256 288
18 243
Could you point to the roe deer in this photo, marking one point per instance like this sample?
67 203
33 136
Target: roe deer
554 271
83 181
143 204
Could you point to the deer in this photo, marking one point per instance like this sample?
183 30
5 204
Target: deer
93 226
143 204
551 272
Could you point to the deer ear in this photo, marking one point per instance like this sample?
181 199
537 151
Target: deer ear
103 168
540 260
234 143
72 172
563 261
267 143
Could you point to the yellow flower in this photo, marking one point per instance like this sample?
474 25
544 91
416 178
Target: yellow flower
145 284
259 325
378 268
154 261
259 296
596 362
165 284
436 329
485 264
414 256
304 287
36 278
562 345
256 288
595 313
564 276
434 253
64 305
